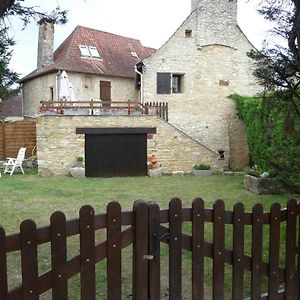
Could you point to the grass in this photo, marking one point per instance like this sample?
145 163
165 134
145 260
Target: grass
30 196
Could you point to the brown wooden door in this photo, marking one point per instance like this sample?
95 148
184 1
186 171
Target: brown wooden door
105 92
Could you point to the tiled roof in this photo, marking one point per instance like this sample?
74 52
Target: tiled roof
115 54
12 107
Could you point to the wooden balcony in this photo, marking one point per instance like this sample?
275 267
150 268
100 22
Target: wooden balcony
100 108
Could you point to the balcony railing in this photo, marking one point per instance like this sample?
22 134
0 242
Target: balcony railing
96 107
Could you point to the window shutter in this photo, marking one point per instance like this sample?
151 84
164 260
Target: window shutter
163 83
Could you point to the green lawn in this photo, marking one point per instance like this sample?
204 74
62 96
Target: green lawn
30 196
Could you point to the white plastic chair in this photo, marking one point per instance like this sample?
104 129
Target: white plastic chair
13 163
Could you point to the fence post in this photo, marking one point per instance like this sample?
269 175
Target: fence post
238 251
175 248
274 251
140 251
154 250
29 260
198 249
3 264
256 252
218 250
58 255
87 252
290 248
92 106
114 247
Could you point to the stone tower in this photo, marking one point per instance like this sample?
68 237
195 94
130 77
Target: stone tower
217 22
45 43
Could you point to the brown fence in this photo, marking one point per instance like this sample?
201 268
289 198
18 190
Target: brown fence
160 109
145 227
14 135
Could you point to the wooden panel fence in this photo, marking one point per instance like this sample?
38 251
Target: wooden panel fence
14 135
146 227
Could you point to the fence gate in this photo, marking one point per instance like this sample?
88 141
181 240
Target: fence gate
270 260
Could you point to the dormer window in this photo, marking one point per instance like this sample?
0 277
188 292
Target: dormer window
89 51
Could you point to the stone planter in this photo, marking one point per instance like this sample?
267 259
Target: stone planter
201 172
77 172
259 186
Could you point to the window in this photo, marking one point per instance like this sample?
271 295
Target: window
188 33
176 83
89 51
94 52
84 50
168 83
51 93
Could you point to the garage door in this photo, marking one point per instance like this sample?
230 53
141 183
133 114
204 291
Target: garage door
115 152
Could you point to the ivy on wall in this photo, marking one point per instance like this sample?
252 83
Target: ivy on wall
273 132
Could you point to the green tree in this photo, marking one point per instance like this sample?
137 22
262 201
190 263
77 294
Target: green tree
8 9
7 77
278 65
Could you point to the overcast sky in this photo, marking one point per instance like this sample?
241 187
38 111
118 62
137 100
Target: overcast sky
152 22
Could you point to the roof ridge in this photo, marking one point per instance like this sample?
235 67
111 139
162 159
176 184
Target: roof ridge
126 37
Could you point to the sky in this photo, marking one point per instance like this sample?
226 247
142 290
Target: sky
152 22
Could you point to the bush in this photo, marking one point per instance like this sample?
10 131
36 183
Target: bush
201 167
273 132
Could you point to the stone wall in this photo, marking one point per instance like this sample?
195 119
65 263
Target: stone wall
210 74
86 87
58 145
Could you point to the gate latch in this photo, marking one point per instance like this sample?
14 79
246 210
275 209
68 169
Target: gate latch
149 257
166 235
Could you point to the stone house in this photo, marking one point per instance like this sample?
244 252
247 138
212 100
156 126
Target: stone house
196 70
100 65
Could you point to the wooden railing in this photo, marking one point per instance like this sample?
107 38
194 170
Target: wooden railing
160 109
99 107
146 226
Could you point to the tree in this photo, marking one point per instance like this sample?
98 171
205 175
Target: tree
277 67
8 9
7 77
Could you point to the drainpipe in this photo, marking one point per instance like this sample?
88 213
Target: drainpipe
141 92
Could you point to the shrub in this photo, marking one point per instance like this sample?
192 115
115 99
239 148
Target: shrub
273 132
201 167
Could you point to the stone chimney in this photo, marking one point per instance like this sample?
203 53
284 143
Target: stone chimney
217 21
45 43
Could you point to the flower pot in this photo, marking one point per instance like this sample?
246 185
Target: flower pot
201 172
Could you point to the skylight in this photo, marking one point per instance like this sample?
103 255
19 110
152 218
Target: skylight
84 50
94 52
88 51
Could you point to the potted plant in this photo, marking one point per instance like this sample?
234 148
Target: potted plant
258 181
201 170
79 161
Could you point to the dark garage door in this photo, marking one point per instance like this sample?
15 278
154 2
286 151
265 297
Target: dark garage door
115 152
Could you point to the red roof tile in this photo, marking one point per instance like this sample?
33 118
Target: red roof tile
115 54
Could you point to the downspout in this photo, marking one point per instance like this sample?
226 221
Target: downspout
142 86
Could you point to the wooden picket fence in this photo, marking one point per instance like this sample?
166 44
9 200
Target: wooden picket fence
14 135
146 227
